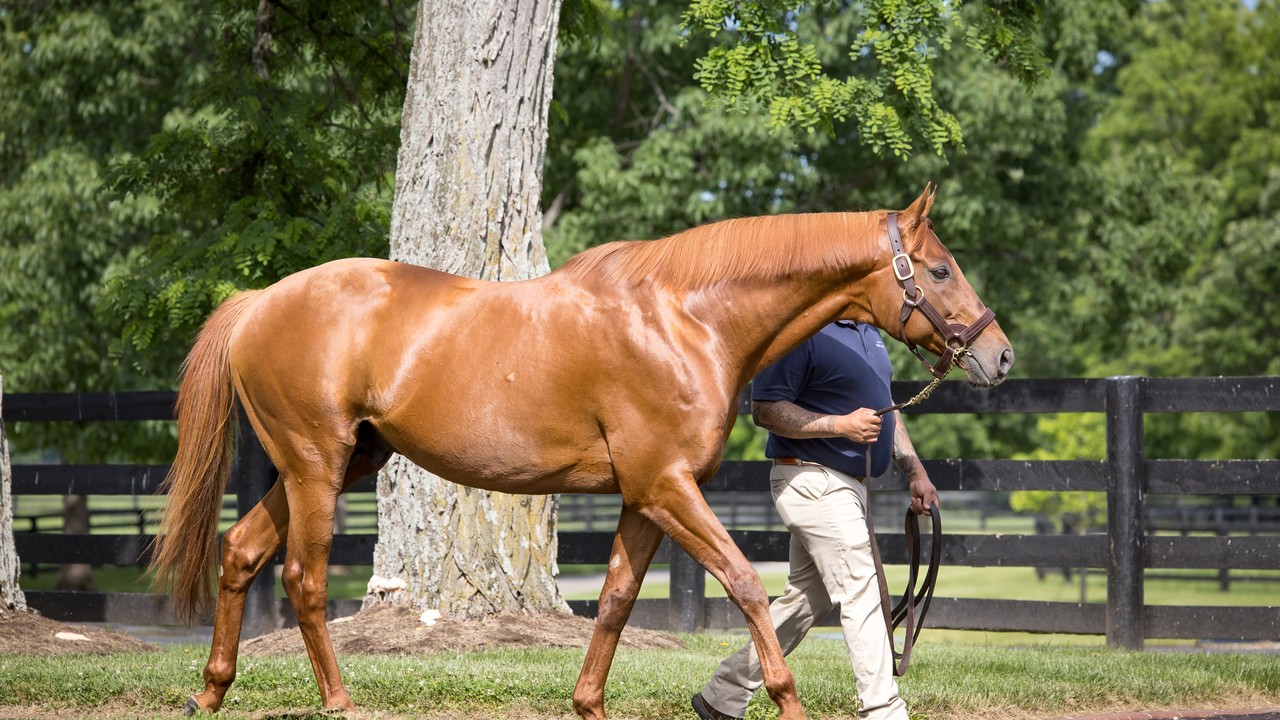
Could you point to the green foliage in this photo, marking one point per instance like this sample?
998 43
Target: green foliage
282 161
888 90
1138 249
581 20
151 163
1203 84
80 84
1235 306
1187 158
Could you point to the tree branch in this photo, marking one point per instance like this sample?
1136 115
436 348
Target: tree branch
262 38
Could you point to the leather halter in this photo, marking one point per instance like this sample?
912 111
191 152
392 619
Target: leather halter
955 337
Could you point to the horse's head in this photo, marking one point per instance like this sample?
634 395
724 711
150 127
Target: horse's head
920 295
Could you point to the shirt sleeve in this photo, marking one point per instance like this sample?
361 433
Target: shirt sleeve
785 379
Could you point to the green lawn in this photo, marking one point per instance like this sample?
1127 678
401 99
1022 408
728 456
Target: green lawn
946 682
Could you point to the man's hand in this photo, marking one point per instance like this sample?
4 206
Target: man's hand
923 496
861 425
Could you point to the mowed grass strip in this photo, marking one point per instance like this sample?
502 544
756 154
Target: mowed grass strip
946 682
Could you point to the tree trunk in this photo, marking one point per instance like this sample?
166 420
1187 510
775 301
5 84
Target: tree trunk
11 597
469 178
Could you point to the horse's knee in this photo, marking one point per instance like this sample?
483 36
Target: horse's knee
615 606
308 594
291 579
315 595
744 587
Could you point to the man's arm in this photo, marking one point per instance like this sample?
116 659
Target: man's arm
923 493
785 418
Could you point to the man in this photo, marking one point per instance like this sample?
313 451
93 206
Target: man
818 404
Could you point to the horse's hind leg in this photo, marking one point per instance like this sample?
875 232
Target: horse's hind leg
246 548
633 548
312 501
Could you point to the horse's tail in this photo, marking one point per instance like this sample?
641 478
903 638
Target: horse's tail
184 549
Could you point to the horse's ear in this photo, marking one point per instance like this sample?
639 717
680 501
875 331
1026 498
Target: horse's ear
919 209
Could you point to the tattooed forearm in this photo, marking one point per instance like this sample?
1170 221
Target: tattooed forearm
904 453
790 420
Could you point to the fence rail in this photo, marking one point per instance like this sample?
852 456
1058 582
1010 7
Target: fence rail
1126 551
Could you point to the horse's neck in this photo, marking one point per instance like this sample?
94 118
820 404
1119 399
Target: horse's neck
761 320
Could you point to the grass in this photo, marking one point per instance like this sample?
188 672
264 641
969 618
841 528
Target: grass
946 682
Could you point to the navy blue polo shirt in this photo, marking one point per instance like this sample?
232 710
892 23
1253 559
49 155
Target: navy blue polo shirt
842 368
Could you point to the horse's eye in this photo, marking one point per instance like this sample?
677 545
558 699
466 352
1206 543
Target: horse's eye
940 273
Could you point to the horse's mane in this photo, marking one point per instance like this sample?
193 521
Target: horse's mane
743 248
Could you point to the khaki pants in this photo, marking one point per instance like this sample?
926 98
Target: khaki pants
831 564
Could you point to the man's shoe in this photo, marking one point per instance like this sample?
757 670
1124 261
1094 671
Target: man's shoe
706 712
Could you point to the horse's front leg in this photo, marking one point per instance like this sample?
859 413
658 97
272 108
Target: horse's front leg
678 507
633 548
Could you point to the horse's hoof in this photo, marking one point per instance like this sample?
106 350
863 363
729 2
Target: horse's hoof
192 707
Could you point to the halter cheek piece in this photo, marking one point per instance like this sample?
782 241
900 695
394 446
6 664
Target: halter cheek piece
955 337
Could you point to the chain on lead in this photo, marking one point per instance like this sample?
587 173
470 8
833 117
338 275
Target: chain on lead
937 380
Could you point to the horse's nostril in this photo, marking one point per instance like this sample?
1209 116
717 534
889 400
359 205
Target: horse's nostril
1006 361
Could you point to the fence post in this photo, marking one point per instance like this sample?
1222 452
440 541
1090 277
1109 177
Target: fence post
688 592
254 475
1126 556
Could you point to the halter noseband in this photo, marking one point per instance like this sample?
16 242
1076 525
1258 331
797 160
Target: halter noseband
955 337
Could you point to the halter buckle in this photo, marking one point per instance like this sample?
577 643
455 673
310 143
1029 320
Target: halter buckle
910 268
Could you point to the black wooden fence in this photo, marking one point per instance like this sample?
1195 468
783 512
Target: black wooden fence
1125 551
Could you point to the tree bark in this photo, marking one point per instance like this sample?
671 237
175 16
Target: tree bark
11 597
468 183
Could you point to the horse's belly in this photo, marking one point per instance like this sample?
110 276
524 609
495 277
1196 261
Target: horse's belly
505 462
520 478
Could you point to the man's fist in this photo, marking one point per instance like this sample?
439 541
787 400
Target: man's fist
861 425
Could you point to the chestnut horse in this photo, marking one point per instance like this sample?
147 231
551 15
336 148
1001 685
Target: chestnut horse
617 373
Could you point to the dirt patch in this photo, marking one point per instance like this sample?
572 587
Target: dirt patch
29 633
394 630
